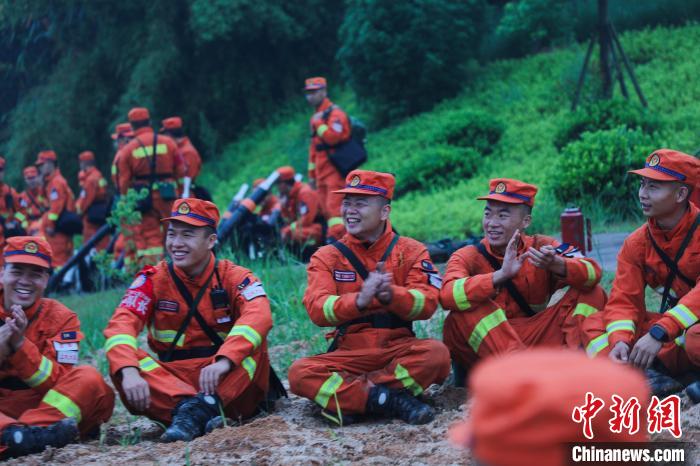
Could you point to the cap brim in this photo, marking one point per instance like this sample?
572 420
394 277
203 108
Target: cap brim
362 192
313 88
460 434
501 198
27 259
654 174
189 220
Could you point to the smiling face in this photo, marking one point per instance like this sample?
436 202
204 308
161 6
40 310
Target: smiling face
501 220
364 216
23 284
188 246
661 198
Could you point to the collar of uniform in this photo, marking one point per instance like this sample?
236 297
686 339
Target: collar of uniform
677 231
183 141
526 241
56 172
144 130
29 312
324 105
197 282
378 246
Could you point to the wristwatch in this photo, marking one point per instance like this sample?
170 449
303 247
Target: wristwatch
658 333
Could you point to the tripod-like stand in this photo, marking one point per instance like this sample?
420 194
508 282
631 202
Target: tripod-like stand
610 49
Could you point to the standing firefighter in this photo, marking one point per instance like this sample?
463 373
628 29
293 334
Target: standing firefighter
662 254
303 223
45 399
191 159
92 203
32 201
61 199
375 364
150 164
329 127
512 290
207 321
121 136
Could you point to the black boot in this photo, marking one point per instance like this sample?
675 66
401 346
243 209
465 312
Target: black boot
460 374
661 383
401 404
190 418
25 440
693 392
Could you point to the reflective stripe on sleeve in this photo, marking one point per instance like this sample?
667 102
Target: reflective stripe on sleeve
328 389
120 339
147 364
333 221
459 295
583 309
418 303
53 217
618 325
590 270
597 345
42 374
485 325
250 366
248 333
683 315
328 312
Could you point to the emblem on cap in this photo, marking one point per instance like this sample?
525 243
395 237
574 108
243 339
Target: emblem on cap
500 188
31 247
654 161
183 209
355 181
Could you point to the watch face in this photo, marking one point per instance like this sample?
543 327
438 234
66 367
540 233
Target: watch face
658 333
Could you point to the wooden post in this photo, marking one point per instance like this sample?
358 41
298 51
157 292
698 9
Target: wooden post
604 41
618 70
628 66
582 76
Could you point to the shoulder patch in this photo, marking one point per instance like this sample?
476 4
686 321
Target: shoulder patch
244 283
54 194
138 282
427 265
344 276
69 335
303 208
254 290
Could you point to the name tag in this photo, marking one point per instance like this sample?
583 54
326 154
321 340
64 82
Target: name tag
67 357
435 280
167 306
253 291
223 320
344 276
65 346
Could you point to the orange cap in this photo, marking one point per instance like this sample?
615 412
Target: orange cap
30 172
2 163
369 183
33 250
139 114
287 173
511 192
523 404
196 212
46 155
172 123
122 130
311 84
671 165
86 156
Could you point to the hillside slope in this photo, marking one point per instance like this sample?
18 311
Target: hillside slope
528 98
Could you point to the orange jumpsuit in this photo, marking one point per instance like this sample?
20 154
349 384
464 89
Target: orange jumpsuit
9 210
40 383
368 353
485 320
153 301
190 157
32 205
134 170
326 133
93 189
626 318
269 205
300 211
60 198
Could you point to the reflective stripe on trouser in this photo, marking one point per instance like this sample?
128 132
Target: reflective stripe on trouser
79 392
483 329
169 382
347 373
678 356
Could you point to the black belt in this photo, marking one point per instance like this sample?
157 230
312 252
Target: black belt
379 320
192 353
13 383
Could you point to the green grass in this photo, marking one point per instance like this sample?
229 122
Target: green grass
531 96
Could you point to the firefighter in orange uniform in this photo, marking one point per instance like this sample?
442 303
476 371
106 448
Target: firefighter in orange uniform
300 210
138 170
45 399
121 136
512 290
270 204
32 201
627 332
61 199
10 215
190 155
372 285
93 194
329 127
218 357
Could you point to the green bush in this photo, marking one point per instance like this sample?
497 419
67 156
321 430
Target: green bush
468 128
594 169
434 167
605 114
406 56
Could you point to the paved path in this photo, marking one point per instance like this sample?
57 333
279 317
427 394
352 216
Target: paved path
606 247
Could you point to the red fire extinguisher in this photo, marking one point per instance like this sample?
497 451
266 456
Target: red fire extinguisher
576 230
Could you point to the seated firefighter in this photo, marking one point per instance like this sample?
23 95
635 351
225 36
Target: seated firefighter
512 290
45 399
301 211
371 284
663 255
208 321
